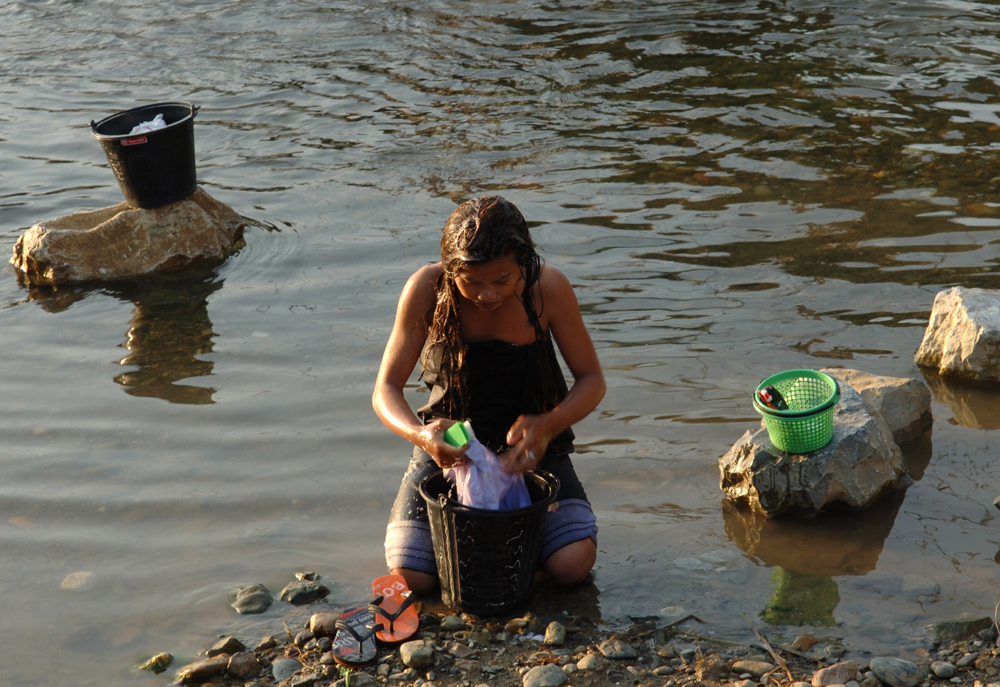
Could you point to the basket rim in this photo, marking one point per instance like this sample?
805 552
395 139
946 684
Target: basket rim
794 414
547 477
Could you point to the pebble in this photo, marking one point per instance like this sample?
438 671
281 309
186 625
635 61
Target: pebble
545 676
966 661
555 634
754 668
835 651
617 649
417 654
244 665
800 684
200 671
896 672
943 669
452 623
837 674
591 662
284 668
228 645
253 599
744 683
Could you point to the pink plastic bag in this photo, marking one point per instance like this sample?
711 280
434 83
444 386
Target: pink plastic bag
482 483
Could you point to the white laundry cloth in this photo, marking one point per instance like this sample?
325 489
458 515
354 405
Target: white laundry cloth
151 125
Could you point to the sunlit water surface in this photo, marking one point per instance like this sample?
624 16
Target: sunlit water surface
734 188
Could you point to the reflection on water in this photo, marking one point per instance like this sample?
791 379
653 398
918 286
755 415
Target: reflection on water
807 554
973 405
801 599
168 332
170 329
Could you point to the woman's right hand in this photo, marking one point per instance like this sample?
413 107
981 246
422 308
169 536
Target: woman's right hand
431 439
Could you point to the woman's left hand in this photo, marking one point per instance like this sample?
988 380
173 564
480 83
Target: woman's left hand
528 438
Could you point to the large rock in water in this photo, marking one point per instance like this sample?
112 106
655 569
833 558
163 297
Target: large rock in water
122 242
860 463
904 402
963 335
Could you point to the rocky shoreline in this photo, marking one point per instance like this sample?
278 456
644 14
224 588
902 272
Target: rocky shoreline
556 648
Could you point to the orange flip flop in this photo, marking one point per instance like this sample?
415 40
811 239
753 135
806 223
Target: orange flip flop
393 609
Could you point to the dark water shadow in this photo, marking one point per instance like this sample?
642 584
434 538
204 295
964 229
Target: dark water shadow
973 405
169 329
806 554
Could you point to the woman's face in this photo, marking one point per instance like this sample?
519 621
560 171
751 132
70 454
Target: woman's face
490 284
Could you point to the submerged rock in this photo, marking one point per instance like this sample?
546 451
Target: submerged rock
122 242
253 599
157 664
859 464
958 629
962 338
303 592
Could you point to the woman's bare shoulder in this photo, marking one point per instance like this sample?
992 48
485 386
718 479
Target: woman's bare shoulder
422 284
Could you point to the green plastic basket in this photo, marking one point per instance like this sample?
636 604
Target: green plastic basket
807 425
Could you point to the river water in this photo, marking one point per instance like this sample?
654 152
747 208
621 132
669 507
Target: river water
734 188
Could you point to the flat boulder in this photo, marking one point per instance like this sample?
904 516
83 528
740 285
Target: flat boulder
859 464
904 402
962 338
123 242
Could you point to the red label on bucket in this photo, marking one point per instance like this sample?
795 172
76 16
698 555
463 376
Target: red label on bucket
133 141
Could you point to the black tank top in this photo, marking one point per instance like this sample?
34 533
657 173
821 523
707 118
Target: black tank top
503 381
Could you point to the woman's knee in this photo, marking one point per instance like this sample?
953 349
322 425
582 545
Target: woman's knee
572 563
418 582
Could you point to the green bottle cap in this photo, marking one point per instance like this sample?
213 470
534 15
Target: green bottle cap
457 434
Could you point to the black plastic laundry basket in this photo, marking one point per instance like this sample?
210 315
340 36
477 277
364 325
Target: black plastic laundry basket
486 559
153 168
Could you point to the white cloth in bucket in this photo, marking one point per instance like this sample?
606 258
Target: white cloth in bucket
482 483
151 125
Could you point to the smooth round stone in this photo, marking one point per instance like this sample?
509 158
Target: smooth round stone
896 672
616 648
943 670
548 675
555 634
591 662
284 668
253 599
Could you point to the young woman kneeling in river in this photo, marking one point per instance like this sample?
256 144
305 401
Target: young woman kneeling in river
481 323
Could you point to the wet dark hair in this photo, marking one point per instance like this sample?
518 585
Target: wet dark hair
477 232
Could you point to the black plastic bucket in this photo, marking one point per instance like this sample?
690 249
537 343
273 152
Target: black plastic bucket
153 168
486 559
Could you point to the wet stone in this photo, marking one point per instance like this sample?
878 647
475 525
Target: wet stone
200 671
958 629
452 623
227 645
157 664
253 599
896 672
244 665
943 669
303 592
284 668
